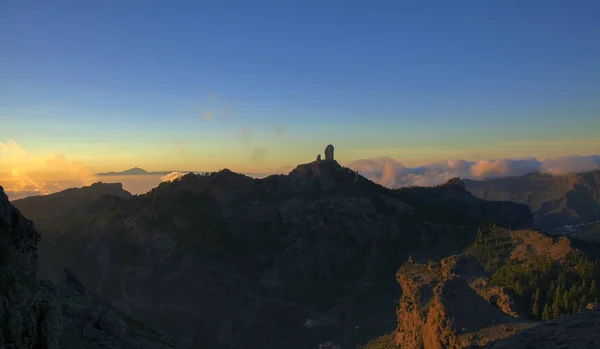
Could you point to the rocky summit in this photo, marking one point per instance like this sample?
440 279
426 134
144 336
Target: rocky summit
304 260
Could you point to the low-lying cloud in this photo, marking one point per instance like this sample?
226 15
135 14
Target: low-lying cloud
172 176
391 173
24 174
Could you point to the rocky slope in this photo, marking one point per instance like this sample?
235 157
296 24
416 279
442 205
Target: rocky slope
556 201
227 261
459 304
38 314
451 306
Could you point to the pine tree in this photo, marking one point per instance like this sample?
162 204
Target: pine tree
575 307
593 289
535 300
557 304
566 305
547 313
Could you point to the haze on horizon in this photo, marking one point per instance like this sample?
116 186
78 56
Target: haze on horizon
409 93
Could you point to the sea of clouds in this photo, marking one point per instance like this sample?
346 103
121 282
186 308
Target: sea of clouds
391 173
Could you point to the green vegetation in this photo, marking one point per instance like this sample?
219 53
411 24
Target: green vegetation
491 250
548 288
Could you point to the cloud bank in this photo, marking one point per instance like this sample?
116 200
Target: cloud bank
172 176
391 173
23 174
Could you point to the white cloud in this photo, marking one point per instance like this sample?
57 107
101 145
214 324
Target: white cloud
391 173
24 174
171 176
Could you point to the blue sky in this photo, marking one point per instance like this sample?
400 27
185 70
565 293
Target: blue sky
257 85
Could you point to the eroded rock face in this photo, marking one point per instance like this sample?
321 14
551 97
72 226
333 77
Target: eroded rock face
36 314
19 299
440 308
329 153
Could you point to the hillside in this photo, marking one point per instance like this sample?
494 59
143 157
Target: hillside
496 295
223 260
36 313
556 201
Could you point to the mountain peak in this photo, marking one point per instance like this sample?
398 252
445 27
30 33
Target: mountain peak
135 170
456 181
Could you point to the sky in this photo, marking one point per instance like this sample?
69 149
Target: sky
260 86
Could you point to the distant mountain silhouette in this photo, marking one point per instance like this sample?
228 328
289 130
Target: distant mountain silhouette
136 171
556 200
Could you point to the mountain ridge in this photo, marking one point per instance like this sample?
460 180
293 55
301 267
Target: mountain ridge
310 245
555 200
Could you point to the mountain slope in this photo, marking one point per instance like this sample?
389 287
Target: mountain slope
460 303
35 313
556 201
227 261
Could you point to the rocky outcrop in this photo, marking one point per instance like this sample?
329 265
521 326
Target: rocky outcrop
440 308
329 153
20 300
37 314
456 181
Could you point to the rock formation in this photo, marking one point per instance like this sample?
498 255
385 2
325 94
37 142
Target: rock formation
329 153
456 181
319 158
439 307
34 313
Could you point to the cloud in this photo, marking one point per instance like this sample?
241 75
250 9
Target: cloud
172 176
214 108
571 164
245 134
179 147
391 173
258 155
24 174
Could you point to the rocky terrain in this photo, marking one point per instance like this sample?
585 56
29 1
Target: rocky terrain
35 313
306 260
227 261
558 202
458 303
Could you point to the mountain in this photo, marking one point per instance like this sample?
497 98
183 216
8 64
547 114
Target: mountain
133 172
71 202
556 201
461 303
36 313
222 260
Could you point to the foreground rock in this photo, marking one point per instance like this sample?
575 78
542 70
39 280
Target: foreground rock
440 308
37 314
